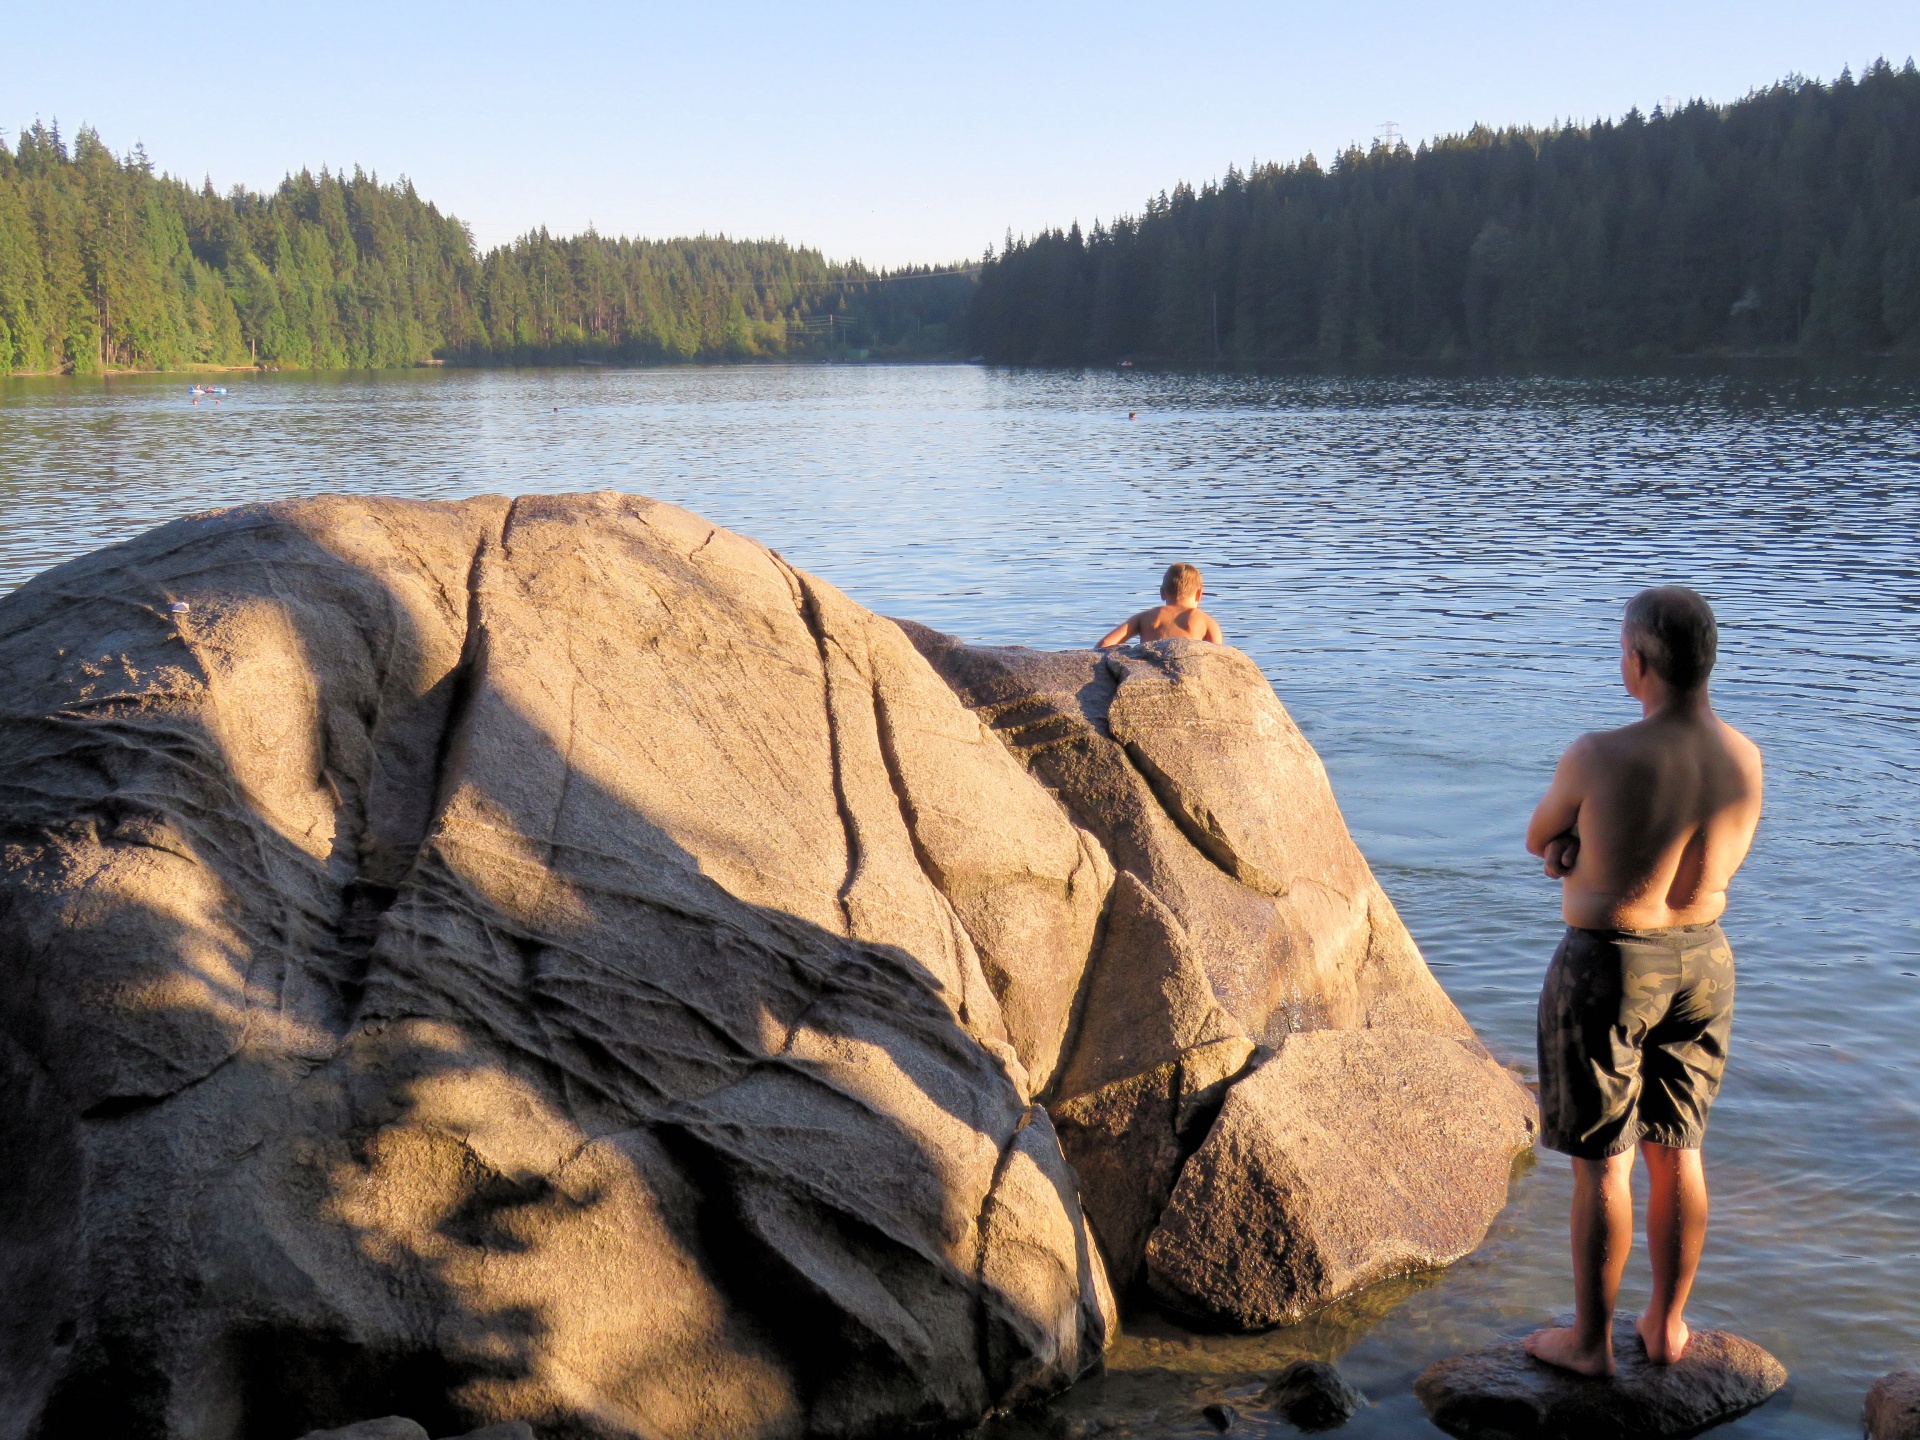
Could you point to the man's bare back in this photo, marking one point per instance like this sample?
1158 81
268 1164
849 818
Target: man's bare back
1645 825
1181 618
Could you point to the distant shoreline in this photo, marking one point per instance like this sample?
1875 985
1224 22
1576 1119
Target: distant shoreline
753 363
1448 367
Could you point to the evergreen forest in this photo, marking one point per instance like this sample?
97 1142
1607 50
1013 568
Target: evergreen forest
106 265
1786 221
1789 220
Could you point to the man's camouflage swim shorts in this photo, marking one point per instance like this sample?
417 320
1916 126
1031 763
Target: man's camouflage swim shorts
1633 1038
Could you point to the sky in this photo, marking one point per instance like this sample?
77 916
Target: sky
892 134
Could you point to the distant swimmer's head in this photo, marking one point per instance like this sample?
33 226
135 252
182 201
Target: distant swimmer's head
1673 630
1181 584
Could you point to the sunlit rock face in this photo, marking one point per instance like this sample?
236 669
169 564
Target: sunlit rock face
545 960
551 960
1243 915
1360 1154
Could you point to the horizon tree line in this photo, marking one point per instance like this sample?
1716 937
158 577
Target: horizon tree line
1788 220
105 264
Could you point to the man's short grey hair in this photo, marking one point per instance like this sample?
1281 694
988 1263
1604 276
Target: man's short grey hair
1673 627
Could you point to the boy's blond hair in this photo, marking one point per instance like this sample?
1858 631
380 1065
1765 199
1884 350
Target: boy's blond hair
1180 580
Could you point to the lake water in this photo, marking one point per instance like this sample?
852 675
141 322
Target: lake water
1430 571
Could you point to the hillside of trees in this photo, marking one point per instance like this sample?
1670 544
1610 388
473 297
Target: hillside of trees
105 264
1788 220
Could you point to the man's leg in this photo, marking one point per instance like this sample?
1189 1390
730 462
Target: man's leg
1676 1231
1602 1237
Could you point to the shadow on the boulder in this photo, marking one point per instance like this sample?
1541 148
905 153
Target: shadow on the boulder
552 959
468 1092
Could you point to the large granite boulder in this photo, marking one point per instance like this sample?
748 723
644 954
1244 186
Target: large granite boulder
543 960
1243 914
1893 1407
1184 764
1349 1156
1502 1393
553 961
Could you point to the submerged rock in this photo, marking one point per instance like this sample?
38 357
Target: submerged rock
1893 1407
1313 1395
391 1427
398 1427
1504 1394
1349 1156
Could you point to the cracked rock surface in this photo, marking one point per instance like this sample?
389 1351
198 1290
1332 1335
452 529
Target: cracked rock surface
550 960
1249 956
1349 1156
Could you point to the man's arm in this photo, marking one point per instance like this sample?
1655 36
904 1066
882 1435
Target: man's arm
1550 833
1213 632
1120 633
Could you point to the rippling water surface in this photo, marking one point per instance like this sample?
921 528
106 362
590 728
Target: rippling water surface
1430 572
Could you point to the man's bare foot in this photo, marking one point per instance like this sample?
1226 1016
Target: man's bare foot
1562 1348
1664 1346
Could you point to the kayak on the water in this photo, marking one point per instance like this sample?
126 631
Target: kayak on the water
207 390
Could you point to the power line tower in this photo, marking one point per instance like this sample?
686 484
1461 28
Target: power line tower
1387 137
830 327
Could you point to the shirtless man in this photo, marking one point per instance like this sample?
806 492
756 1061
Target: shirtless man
1644 826
1181 618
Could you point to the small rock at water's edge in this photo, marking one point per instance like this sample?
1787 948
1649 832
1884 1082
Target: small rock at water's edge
1502 1391
389 1427
1893 1407
1221 1417
398 1427
1313 1395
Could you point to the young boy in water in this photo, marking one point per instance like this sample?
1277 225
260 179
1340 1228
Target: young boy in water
1181 618
1644 827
